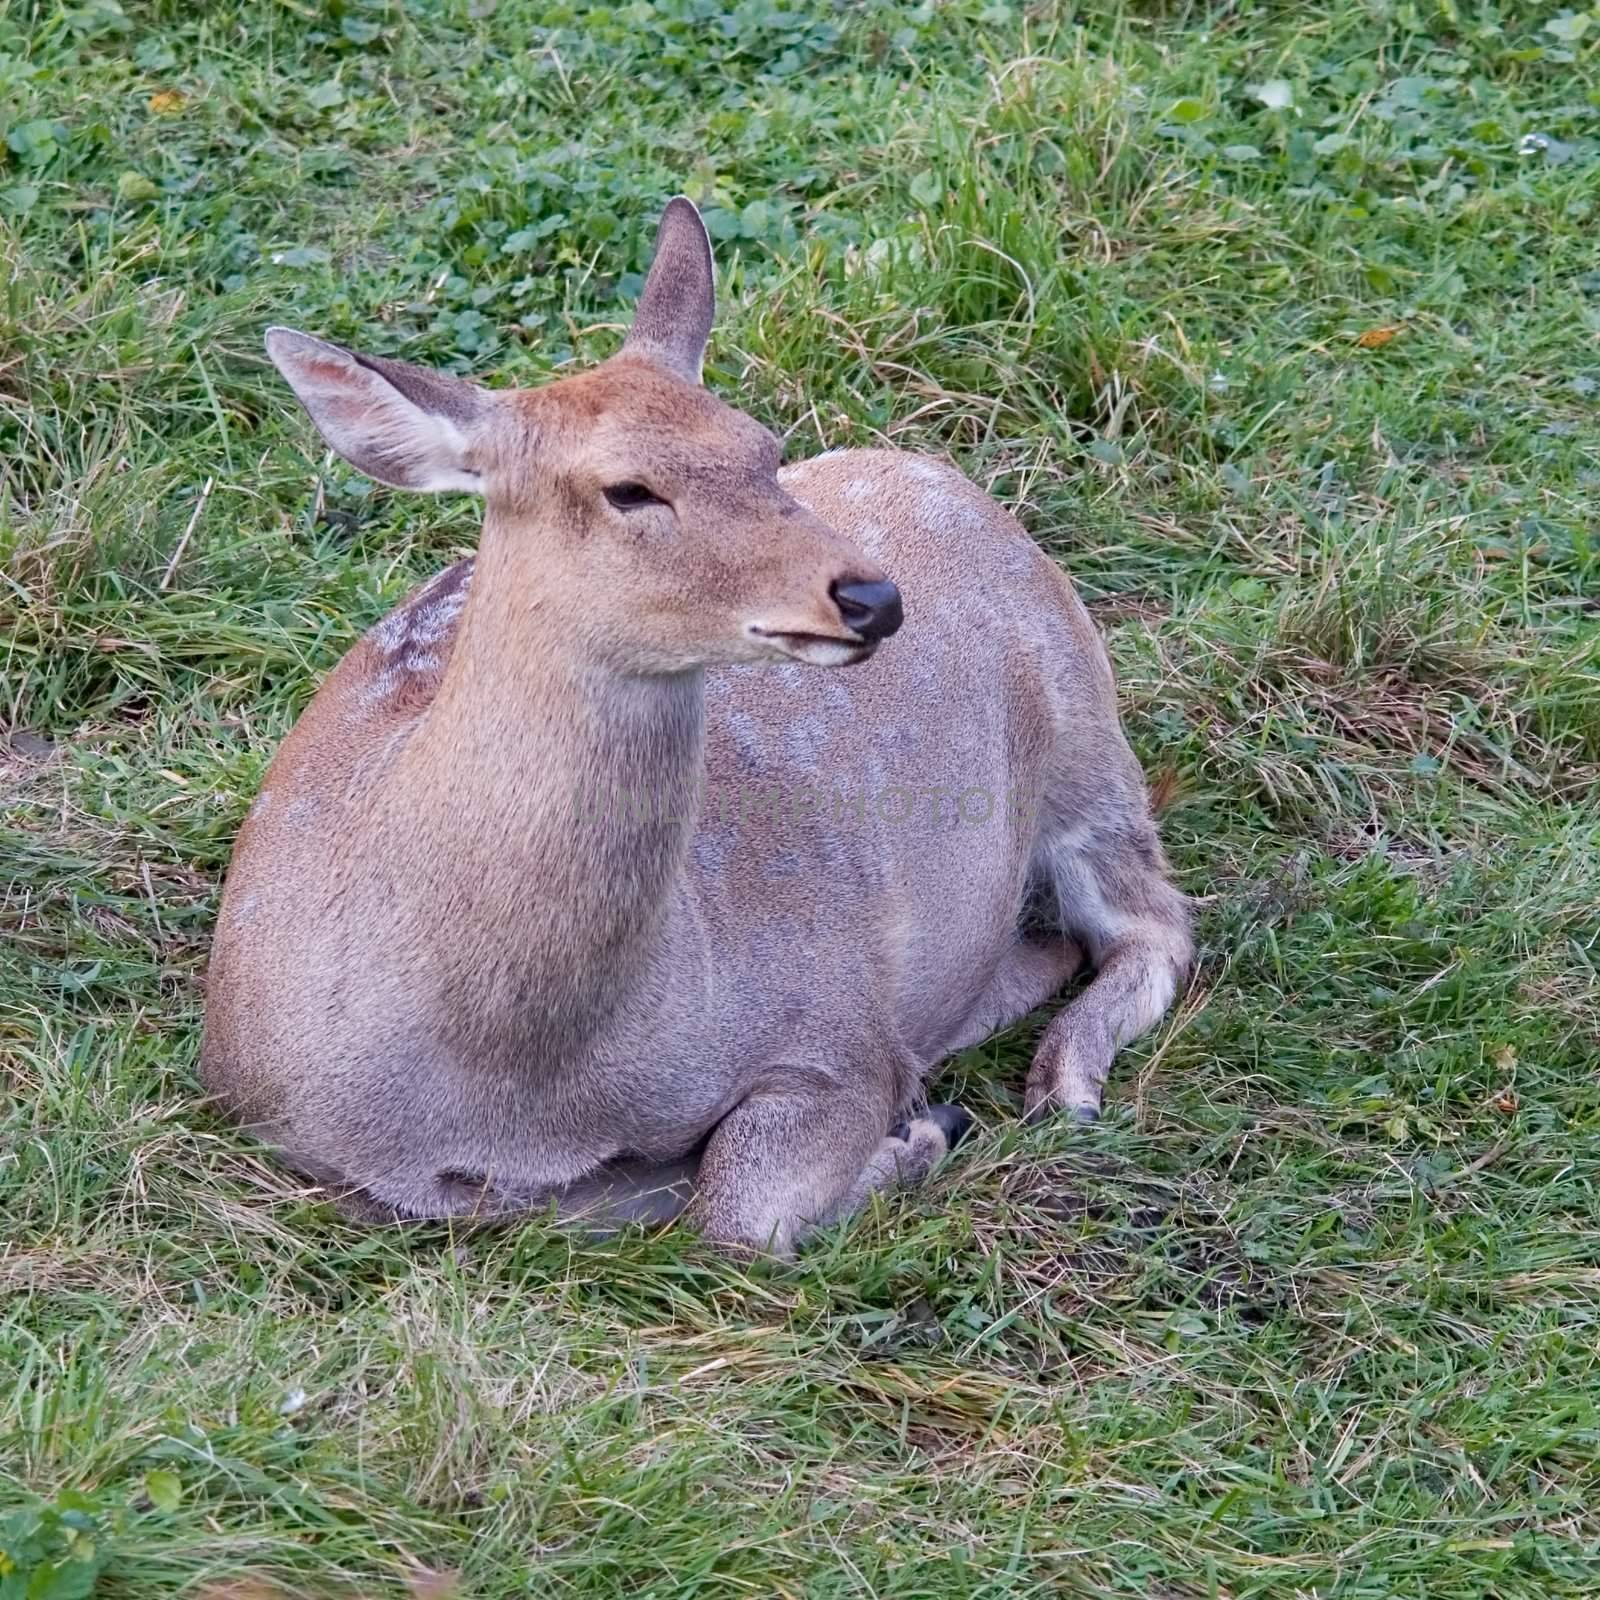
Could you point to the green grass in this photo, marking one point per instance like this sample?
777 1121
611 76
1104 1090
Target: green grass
1314 1311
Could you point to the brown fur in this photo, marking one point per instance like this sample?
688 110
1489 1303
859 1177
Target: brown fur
516 914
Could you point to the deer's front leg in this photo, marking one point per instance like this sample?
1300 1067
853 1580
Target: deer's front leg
807 1151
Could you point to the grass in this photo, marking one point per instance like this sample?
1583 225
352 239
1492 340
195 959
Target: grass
1278 324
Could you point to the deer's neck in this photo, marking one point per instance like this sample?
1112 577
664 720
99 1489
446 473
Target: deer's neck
563 801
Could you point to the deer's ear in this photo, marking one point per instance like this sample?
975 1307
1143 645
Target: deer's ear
679 299
400 424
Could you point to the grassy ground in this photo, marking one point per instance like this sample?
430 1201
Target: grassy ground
1278 324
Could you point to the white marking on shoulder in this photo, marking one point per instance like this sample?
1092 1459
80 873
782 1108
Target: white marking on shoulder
391 632
422 661
858 489
434 621
427 617
381 687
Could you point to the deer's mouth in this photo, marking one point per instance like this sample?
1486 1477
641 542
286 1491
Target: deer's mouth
816 649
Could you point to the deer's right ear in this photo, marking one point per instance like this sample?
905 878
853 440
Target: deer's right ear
400 424
679 298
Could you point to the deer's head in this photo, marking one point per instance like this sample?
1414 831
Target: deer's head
644 514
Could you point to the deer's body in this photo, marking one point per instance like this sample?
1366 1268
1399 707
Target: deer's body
518 914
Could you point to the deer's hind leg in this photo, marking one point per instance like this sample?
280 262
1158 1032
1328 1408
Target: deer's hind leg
1029 973
799 1154
1111 891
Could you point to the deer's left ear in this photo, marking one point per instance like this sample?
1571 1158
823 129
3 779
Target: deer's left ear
400 424
679 300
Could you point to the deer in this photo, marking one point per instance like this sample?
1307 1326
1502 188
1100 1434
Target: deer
504 930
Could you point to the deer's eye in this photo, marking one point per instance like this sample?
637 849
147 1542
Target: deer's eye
631 496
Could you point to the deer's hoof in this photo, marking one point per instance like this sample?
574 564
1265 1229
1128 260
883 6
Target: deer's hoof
953 1121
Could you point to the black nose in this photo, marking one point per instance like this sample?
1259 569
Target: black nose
871 609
